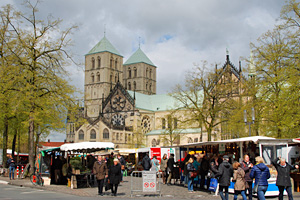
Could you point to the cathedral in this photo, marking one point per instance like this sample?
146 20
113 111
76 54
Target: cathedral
121 104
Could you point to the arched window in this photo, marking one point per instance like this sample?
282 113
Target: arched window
163 123
150 87
93 77
93 63
116 63
150 74
129 86
135 72
146 72
111 77
175 122
93 134
98 77
105 134
129 137
111 63
117 136
134 85
116 78
81 135
99 62
126 136
153 143
129 73
190 140
146 86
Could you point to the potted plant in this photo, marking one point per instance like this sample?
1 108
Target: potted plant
76 165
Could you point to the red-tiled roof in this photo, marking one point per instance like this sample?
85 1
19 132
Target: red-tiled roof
52 144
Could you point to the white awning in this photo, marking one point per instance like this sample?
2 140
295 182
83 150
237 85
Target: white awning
87 147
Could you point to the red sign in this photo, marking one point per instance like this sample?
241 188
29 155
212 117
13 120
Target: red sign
155 152
152 184
146 185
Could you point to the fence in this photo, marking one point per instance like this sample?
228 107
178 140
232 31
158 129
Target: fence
145 182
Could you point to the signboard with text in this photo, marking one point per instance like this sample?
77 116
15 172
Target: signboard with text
149 181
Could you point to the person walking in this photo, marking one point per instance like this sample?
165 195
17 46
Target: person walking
185 172
261 174
146 162
224 173
114 176
154 164
123 164
190 168
204 167
239 179
246 165
163 167
283 180
170 168
12 165
100 169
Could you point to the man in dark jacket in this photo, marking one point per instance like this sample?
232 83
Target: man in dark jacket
246 165
204 167
123 164
224 173
283 177
101 171
170 168
146 162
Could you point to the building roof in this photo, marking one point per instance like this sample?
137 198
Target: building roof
104 46
139 57
181 131
159 102
51 144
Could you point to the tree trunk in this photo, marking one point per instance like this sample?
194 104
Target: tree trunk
5 140
19 145
13 148
31 143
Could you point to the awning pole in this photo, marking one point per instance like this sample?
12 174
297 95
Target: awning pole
241 152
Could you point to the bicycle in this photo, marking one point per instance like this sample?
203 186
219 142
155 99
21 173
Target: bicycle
36 179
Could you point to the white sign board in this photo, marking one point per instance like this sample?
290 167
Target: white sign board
149 181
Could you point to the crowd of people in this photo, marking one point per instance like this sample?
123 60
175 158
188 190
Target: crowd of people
198 169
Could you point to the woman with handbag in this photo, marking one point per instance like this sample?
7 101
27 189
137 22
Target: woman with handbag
239 179
191 174
261 174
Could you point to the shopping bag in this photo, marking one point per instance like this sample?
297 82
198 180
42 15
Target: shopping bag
107 184
213 185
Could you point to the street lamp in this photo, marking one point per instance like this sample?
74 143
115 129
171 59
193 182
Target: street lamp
251 122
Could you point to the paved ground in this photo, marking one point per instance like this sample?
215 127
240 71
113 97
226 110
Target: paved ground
168 192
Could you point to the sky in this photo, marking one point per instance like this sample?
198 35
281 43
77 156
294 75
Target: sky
176 35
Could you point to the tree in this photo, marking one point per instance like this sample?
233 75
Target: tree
46 95
205 99
172 134
277 63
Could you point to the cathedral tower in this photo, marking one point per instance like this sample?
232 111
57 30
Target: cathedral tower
103 68
139 73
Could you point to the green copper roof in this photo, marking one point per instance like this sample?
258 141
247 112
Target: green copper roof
104 46
159 102
181 131
139 57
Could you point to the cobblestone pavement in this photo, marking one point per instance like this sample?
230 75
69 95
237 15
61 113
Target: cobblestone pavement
168 192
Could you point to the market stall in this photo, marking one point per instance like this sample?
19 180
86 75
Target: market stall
266 147
82 175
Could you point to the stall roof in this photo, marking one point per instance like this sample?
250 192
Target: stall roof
254 139
51 149
87 147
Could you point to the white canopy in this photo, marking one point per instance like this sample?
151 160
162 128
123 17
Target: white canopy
87 147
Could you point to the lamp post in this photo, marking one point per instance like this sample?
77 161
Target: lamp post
251 122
